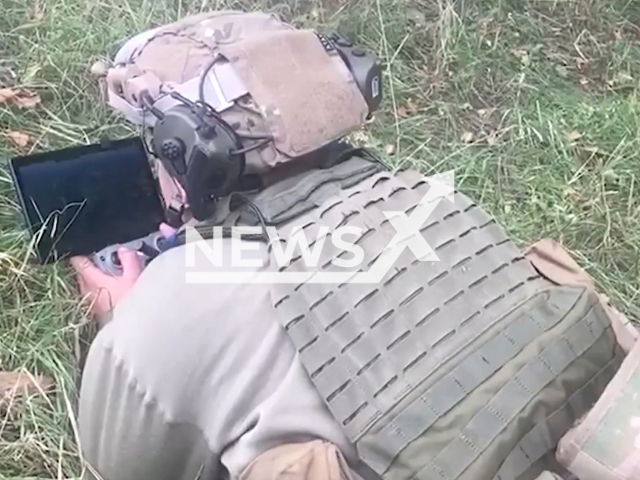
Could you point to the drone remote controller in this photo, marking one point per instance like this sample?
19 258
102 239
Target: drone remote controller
148 247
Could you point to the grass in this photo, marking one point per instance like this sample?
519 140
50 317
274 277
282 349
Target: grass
534 103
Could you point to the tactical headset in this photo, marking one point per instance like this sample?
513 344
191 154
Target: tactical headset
201 151
207 156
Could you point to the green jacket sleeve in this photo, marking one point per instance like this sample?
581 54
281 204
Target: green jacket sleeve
126 435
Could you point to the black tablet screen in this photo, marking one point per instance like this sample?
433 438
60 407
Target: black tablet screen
82 199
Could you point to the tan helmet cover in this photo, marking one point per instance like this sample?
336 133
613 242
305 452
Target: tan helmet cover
264 76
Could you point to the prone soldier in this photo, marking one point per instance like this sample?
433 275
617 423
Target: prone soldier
474 366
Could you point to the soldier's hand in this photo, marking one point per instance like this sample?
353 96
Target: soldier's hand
104 291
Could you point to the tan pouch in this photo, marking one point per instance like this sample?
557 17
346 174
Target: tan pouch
308 98
606 444
316 460
552 261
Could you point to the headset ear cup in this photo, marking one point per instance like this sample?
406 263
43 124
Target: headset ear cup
204 177
210 177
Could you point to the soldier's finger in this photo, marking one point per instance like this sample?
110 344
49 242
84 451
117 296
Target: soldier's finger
131 263
85 268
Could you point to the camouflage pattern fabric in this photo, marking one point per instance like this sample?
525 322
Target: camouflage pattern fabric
262 75
606 443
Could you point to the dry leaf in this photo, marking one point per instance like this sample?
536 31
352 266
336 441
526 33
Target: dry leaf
581 63
407 109
21 98
523 55
467 137
99 69
403 112
36 14
617 32
492 139
19 139
13 384
620 78
360 138
573 135
572 194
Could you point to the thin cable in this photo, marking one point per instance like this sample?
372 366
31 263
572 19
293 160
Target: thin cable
145 141
147 101
263 140
206 229
229 128
216 114
361 152
254 208
181 98
250 136
251 148
203 78
137 53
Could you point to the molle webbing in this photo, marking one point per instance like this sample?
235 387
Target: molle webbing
429 370
550 375
544 437
368 346
302 193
